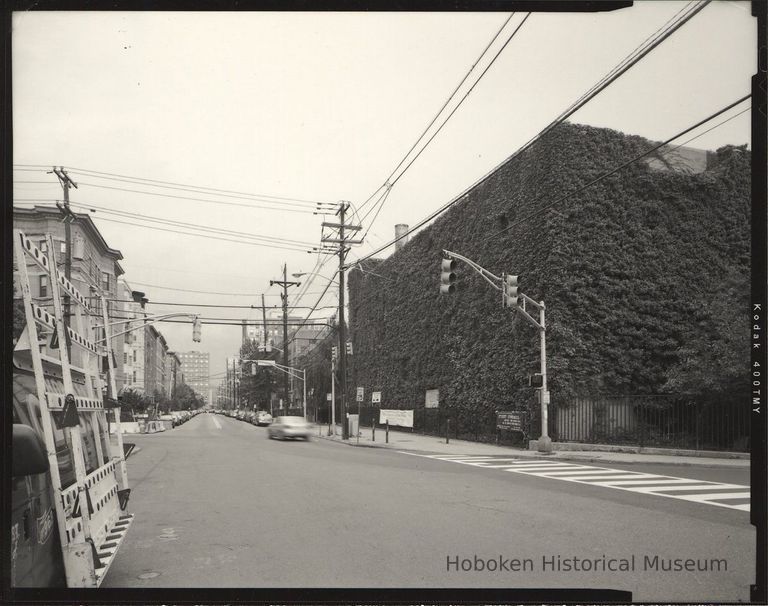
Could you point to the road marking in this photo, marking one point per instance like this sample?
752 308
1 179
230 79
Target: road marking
708 493
216 422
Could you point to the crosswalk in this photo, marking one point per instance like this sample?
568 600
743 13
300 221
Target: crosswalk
732 496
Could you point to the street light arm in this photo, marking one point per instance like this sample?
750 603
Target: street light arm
481 270
154 320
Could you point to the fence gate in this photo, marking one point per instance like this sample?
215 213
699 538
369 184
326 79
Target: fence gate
90 512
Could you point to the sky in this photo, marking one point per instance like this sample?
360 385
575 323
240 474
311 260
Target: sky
284 110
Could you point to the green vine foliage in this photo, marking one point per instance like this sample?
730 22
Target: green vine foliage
626 268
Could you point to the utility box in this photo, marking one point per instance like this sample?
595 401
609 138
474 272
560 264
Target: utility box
353 423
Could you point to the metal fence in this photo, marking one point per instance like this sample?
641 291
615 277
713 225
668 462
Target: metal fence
667 421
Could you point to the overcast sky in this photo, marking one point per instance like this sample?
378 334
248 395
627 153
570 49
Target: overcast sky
322 107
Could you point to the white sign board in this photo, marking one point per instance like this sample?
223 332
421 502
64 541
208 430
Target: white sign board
432 399
328 397
360 394
403 418
376 397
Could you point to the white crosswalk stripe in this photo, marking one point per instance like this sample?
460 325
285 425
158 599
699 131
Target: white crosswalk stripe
732 496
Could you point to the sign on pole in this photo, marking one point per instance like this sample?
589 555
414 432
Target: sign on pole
328 397
376 397
432 398
360 394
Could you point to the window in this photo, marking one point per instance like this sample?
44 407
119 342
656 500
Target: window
125 357
63 248
105 281
43 246
134 357
43 285
134 375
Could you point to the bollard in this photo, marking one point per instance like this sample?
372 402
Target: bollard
447 430
387 432
373 431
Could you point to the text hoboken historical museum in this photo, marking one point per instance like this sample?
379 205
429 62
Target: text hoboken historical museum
557 563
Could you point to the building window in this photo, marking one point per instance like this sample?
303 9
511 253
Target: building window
134 376
43 246
134 356
43 286
105 281
125 357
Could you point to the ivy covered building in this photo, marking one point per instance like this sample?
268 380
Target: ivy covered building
645 277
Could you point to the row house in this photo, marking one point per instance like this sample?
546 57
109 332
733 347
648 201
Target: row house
95 266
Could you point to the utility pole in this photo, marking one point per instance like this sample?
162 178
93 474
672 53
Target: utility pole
342 242
284 296
69 218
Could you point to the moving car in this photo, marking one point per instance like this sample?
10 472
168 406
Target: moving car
289 427
263 418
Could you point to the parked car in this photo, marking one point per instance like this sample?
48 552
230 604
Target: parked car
289 427
263 418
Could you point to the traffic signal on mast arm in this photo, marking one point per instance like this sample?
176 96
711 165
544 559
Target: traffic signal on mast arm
196 330
509 291
447 277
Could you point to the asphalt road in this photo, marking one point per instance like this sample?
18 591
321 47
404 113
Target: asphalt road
217 504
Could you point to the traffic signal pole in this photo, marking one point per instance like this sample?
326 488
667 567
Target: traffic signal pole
510 298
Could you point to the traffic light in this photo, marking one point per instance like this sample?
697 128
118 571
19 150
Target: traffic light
196 330
334 353
447 277
509 291
349 348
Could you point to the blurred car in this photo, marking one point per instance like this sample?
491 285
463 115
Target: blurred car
249 415
263 418
289 427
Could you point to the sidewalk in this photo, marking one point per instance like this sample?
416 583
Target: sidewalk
414 442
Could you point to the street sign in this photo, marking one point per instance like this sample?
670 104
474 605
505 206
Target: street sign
360 394
512 420
328 397
432 399
376 397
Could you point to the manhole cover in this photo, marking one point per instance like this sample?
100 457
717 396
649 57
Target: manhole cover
148 575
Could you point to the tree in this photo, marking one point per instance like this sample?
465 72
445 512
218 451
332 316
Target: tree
185 398
256 389
134 401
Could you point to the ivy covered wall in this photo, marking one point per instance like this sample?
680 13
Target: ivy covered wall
629 269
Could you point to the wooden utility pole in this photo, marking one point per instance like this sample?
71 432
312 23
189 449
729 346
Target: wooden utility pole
342 242
69 218
284 296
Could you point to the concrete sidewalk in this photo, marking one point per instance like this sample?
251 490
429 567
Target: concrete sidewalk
414 442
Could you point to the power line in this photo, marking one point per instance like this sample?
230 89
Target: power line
173 231
221 202
453 111
192 225
616 169
204 292
253 307
184 186
603 83
421 136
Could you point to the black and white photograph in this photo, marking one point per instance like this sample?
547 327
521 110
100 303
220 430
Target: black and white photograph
453 301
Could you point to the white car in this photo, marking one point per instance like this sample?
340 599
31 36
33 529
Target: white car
263 418
289 427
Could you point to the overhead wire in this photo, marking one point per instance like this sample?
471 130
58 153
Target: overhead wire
652 42
220 202
437 115
218 230
185 186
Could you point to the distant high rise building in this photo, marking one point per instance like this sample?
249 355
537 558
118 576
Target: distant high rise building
196 368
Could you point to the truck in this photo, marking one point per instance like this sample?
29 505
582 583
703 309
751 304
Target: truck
69 481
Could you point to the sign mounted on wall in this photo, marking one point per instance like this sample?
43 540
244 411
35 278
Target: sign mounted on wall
432 398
